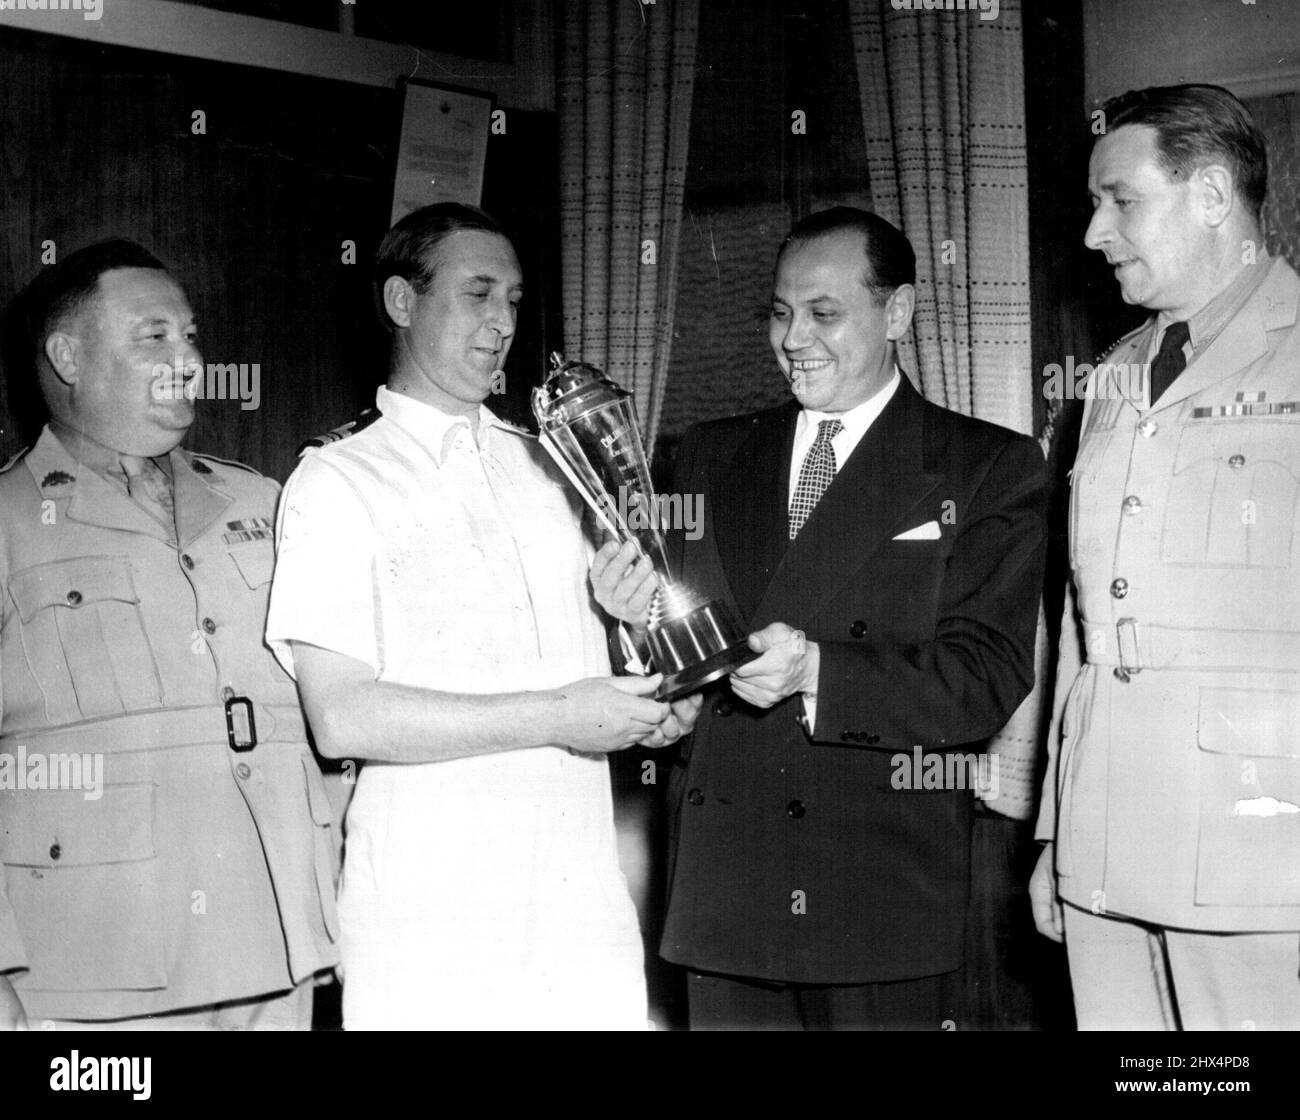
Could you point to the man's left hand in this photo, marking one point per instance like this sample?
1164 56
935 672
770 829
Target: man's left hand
623 581
789 663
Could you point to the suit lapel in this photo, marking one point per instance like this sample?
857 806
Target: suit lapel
872 495
750 507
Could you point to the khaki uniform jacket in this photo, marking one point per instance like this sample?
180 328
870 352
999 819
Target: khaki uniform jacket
194 874
1178 780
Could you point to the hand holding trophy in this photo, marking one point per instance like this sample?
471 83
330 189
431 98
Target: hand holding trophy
588 426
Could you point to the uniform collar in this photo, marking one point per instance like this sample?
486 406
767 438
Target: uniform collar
434 428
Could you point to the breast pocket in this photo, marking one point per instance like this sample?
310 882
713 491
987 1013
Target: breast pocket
1232 500
84 637
81 875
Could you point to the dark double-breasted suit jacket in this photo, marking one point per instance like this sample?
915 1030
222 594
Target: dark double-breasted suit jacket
794 856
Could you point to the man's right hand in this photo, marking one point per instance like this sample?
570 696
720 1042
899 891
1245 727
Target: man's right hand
607 714
1043 898
12 1015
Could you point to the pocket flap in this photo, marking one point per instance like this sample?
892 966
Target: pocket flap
255 563
72 583
66 828
1263 722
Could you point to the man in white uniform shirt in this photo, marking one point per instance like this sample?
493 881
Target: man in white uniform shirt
431 599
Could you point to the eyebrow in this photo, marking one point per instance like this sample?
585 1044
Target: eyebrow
1112 187
815 299
484 278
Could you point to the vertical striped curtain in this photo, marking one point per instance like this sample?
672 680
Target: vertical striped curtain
944 116
626 73
943 109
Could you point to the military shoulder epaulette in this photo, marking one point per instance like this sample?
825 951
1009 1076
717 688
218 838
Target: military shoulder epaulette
14 459
1120 342
200 463
364 420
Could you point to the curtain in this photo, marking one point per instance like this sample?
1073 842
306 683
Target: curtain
944 116
943 109
626 72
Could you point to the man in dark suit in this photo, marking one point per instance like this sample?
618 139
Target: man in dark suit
887 555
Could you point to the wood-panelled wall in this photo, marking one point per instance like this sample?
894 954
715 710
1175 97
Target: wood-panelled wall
252 215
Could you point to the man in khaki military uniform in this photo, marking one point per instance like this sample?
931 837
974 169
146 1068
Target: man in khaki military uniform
1175 801
167 846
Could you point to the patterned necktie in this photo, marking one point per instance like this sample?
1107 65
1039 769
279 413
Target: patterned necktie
1170 362
817 473
150 489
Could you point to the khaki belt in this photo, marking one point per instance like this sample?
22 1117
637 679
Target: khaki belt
1133 645
157 730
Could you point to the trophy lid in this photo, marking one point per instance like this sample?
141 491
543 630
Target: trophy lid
573 389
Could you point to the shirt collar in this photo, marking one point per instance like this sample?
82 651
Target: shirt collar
1204 327
860 417
433 427
95 456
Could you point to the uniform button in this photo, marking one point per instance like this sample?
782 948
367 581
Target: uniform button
1132 504
723 707
858 629
1119 588
795 809
1121 674
55 851
1237 462
227 694
1148 428
74 598
209 627
188 561
695 797
243 771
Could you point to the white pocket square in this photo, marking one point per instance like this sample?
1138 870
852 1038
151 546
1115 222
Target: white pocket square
927 532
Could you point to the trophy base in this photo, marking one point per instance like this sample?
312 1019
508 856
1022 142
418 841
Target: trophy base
693 642
694 677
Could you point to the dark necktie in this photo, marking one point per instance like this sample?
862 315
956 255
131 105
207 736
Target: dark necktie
1170 362
817 473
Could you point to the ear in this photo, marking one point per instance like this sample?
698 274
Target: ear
1218 194
63 350
399 300
898 311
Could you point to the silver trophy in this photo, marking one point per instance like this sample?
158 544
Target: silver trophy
588 425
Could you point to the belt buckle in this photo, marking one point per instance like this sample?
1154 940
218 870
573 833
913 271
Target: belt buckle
241 729
1126 633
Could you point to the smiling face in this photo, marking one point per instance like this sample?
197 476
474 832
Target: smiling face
453 337
1151 228
832 339
117 358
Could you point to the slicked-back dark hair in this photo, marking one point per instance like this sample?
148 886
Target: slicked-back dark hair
61 292
891 262
410 248
1196 125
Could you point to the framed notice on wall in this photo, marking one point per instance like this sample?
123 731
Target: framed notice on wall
443 146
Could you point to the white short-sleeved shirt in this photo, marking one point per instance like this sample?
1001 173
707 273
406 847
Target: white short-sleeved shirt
480 891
